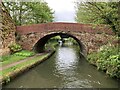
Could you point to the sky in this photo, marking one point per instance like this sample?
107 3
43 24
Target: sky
64 10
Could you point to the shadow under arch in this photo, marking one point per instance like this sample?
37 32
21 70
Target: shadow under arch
39 46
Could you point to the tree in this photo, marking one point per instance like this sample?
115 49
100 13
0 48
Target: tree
42 13
99 13
29 12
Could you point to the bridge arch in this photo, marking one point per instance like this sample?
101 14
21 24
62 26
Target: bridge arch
32 35
40 44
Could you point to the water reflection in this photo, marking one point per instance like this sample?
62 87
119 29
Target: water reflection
66 65
65 61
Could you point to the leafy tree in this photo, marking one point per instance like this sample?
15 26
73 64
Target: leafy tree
29 12
99 13
42 13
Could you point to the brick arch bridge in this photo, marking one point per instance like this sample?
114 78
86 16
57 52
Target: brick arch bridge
89 37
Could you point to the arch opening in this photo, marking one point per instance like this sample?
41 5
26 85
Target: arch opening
40 45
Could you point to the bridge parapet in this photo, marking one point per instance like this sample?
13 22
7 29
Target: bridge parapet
76 27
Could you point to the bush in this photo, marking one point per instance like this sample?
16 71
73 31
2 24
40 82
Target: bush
107 59
15 48
102 65
114 66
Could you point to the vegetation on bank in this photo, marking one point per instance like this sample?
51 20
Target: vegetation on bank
6 60
15 48
52 43
107 59
7 73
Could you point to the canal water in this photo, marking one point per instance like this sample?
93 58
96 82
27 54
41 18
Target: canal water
65 69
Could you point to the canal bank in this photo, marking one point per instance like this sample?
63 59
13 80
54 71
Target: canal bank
19 68
106 60
64 69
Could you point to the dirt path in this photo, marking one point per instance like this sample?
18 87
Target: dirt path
18 62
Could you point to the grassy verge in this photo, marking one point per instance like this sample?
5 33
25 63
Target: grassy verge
13 71
107 59
6 60
22 65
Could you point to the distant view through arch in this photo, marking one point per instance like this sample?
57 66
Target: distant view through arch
39 46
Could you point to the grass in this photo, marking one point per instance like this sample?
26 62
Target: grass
6 73
6 60
12 59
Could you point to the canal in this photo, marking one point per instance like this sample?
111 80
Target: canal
65 69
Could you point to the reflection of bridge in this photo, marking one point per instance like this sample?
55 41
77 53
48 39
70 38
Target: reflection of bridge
89 37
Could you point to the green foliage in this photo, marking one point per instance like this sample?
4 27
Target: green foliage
4 58
13 57
52 43
54 39
99 13
29 12
17 68
42 13
15 48
72 40
107 59
24 53
114 66
16 57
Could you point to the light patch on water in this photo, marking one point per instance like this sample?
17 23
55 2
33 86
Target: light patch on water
65 61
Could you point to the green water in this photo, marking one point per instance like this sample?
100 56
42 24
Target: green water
65 69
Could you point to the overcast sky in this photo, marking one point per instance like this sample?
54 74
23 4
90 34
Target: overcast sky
64 10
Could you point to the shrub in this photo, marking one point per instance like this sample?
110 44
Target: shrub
114 66
107 59
15 48
93 58
102 65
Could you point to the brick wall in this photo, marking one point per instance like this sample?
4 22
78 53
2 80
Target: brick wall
7 31
63 27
